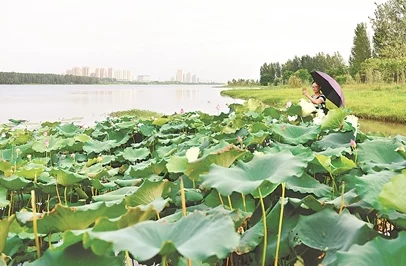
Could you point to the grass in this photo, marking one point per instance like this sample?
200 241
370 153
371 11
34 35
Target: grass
383 102
136 112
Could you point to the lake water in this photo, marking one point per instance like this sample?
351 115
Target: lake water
88 103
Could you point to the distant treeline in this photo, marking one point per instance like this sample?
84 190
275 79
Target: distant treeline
31 78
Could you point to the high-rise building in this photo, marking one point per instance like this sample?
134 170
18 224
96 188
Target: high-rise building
184 78
77 71
85 71
97 72
110 73
194 79
102 73
188 77
179 75
129 77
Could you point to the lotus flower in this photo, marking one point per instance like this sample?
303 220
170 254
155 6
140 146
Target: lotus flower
182 111
288 104
192 154
353 144
45 133
46 143
307 108
292 118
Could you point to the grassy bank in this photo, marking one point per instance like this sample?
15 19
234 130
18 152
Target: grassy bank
137 113
384 102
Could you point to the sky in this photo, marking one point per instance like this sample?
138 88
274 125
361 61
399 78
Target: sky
217 40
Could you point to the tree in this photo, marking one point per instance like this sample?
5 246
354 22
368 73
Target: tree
361 49
389 25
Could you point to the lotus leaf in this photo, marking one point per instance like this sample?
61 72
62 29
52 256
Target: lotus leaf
247 177
133 155
392 195
330 232
196 236
379 251
292 134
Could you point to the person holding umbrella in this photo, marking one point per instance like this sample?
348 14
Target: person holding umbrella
318 99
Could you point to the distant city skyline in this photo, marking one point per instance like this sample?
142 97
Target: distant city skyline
217 40
111 73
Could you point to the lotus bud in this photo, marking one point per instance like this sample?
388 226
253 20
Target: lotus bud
3 135
18 151
46 143
288 104
29 157
45 133
353 144
401 149
72 156
99 159
239 139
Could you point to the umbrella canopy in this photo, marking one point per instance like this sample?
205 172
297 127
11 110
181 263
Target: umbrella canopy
330 88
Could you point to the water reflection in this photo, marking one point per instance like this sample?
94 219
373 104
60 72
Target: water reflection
38 103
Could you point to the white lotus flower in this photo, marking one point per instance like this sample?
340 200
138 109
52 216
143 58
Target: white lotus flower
292 118
192 154
317 120
307 108
353 120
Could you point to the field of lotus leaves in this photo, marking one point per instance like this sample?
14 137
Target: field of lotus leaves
256 186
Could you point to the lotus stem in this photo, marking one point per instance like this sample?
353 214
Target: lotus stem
35 178
280 225
194 184
49 241
243 202
163 262
229 202
65 195
11 203
128 259
342 197
49 197
57 194
265 227
182 195
221 199
34 223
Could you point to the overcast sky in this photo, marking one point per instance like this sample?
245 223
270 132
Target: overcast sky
216 39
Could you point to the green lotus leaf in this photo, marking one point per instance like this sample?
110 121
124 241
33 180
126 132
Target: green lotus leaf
82 138
14 182
126 125
142 169
195 236
292 134
166 151
294 110
6 168
30 170
334 119
47 144
4 227
148 192
379 251
330 232
129 182
177 164
161 121
369 186
272 112
97 184
307 184
132 155
342 165
119 137
335 140
115 195
98 146
223 157
68 130
21 138
337 152
132 216
66 178
309 203
256 138
3 198
250 239
76 255
247 177
63 218
392 195
146 130
381 154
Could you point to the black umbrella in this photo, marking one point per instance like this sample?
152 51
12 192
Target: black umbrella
330 88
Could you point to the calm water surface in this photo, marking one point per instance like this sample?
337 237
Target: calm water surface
90 103
87 103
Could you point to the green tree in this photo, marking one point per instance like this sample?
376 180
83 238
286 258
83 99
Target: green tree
389 25
361 49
